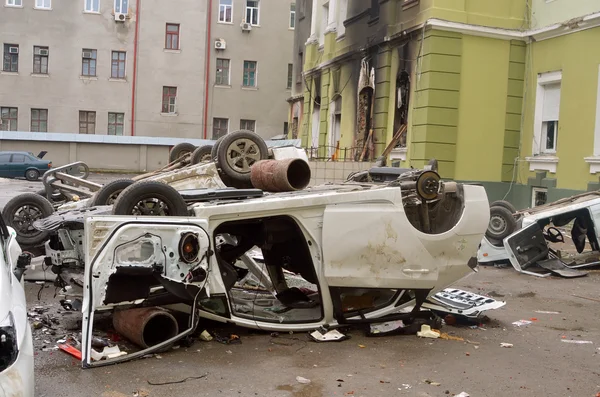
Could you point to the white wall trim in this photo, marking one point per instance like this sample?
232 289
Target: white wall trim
594 163
543 163
597 128
398 153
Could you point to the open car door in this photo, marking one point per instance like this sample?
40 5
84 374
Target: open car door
525 247
133 263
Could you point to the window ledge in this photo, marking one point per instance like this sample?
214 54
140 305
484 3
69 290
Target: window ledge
169 114
170 51
10 73
341 37
225 22
46 75
250 88
92 12
88 77
409 4
222 86
398 153
543 163
9 6
42 9
117 80
594 162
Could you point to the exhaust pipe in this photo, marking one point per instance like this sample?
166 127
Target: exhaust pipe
280 175
146 326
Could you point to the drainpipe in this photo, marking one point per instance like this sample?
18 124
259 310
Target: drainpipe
206 82
135 55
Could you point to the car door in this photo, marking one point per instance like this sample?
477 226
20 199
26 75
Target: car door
17 165
5 164
526 246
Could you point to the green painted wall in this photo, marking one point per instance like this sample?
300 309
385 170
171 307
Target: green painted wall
483 89
578 56
547 13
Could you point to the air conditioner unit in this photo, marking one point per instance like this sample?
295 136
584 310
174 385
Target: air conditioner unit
86 54
246 26
13 50
220 44
42 51
120 17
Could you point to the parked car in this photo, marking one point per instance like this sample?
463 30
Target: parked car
16 345
23 165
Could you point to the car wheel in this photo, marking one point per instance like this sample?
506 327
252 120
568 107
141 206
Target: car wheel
215 148
502 224
22 211
505 204
180 150
150 198
202 154
108 194
237 152
32 175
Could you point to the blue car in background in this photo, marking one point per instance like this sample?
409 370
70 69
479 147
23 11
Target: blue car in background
23 165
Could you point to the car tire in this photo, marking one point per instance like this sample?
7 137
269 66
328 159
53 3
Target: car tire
250 147
136 200
109 193
215 149
32 175
179 150
29 207
505 204
202 153
502 224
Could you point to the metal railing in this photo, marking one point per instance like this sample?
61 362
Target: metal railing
334 153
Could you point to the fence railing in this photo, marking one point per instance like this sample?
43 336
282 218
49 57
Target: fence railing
334 153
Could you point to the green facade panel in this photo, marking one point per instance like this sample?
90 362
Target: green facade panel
514 105
516 71
513 122
511 139
439 81
439 151
437 98
515 88
436 116
442 45
441 63
434 134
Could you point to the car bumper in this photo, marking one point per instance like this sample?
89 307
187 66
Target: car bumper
18 379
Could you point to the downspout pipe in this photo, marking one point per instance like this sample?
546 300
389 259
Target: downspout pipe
135 56
207 67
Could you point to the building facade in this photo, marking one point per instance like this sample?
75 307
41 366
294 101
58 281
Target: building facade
191 69
479 85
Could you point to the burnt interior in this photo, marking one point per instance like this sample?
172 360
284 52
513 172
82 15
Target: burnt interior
438 215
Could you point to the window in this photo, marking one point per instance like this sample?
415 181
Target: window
44 4
116 121
92 6
292 16
374 9
18 158
341 17
249 125
11 58
222 72
252 12
87 122
169 99
88 62
117 70
14 3
225 11
290 76
249 74
172 36
220 127
40 60
300 67
324 23
285 128
5 158
122 6
39 120
8 119
539 196
547 109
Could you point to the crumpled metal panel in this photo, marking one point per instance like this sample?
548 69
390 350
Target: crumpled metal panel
64 218
199 176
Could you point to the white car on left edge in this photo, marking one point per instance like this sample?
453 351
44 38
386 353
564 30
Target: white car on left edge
16 346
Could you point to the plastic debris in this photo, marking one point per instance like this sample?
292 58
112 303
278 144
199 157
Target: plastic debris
579 342
205 336
70 350
386 327
509 345
108 353
545 312
302 380
405 386
445 336
362 346
432 383
521 323
330 336
426 332
463 394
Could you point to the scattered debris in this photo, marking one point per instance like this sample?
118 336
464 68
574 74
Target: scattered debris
405 386
426 332
464 306
177 381
521 323
205 336
585 297
228 352
362 346
329 336
546 312
445 336
432 383
579 342
108 353
70 350
302 380
141 393
387 327
463 394
509 345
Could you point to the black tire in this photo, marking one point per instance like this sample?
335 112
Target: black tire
136 200
202 153
505 204
250 147
215 148
502 224
179 150
108 194
20 213
32 175
56 196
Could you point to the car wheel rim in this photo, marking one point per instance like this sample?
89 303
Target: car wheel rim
242 154
113 197
31 174
497 224
23 219
206 157
151 207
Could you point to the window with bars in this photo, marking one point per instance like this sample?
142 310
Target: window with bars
252 12
249 125
172 36
39 120
169 100
40 60
225 11
116 122
220 127
117 70
88 62
249 74
9 119
290 76
11 58
293 16
87 122
92 6
222 75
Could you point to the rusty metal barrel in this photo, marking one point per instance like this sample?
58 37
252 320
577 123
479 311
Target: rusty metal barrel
146 326
280 175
